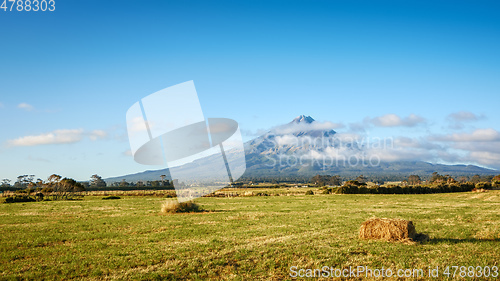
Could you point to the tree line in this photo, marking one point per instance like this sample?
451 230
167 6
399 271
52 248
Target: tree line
412 185
28 184
54 188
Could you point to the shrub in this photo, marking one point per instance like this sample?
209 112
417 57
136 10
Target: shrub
483 185
111 197
170 195
363 190
261 194
417 189
173 207
21 198
495 183
349 189
309 192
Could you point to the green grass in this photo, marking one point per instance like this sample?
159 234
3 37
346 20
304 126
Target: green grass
240 238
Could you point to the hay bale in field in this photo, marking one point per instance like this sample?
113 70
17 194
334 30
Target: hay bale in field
173 206
389 230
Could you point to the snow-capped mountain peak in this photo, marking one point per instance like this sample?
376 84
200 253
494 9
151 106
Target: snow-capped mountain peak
303 119
291 137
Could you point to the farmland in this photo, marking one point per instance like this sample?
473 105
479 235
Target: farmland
243 237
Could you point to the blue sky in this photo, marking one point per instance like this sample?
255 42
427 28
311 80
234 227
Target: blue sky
74 73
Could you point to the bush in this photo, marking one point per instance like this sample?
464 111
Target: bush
170 195
417 189
483 185
349 189
173 207
261 194
21 198
111 197
363 190
495 182
328 190
309 192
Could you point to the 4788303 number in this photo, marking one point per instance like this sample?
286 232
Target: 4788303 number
28 5
471 271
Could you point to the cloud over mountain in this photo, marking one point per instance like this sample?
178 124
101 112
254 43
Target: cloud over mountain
393 120
311 140
479 135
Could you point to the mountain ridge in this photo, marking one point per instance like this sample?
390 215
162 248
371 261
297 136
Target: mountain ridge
296 149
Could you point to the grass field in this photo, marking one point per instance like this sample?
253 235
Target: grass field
241 238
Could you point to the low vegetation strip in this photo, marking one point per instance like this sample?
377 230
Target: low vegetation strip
356 188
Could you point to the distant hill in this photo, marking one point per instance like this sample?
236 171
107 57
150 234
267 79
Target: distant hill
298 149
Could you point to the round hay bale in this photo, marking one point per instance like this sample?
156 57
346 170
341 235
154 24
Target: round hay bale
387 229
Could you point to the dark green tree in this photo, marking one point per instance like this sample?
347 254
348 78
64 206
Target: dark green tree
66 188
97 181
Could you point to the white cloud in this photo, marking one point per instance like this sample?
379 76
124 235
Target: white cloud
25 106
353 147
464 116
479 135
457 120
485 158
287 140
405 149
349 137
416 143
483 152
54 137
1 105
493 146
58 137
97 134
402 154
480 146
393 120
